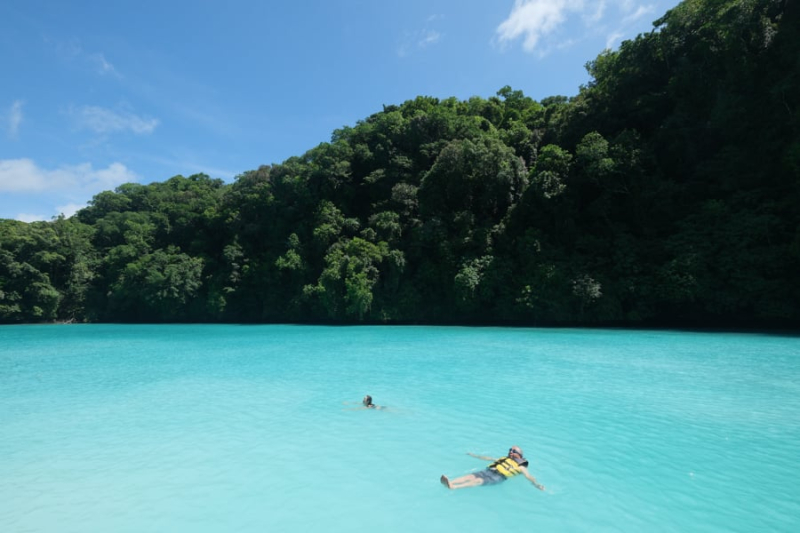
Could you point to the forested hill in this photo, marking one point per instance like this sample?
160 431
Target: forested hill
665 192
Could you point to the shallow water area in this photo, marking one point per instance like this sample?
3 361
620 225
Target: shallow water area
256 428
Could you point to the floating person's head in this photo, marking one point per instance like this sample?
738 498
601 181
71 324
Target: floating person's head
515 450
367 400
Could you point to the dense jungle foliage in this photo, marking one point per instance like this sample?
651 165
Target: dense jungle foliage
666 192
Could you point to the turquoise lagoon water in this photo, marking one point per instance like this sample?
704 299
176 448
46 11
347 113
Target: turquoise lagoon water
243 428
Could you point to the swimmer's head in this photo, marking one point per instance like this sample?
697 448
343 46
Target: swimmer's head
515 450
367 400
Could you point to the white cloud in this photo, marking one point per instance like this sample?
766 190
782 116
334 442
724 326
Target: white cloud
102 120
25 184
69 209
14 118
19 175
27 217
534 19
537 22
24 176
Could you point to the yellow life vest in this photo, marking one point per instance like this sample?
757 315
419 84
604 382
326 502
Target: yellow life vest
506 466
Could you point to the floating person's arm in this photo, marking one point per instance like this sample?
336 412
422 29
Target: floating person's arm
482 457
530 478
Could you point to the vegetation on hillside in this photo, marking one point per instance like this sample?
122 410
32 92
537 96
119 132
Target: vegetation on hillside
665 192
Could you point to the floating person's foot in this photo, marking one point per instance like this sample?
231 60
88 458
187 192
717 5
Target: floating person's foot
445 481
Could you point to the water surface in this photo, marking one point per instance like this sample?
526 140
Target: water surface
243 428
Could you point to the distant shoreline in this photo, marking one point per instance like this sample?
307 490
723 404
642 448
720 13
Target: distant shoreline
767 329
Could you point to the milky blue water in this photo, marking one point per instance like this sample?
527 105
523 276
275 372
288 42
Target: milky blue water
244 428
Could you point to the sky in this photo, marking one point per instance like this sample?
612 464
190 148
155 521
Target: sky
94 94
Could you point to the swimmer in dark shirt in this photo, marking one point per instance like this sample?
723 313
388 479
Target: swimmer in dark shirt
367 402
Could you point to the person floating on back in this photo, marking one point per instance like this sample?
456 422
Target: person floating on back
500 470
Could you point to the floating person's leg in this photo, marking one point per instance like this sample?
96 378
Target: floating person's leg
470 480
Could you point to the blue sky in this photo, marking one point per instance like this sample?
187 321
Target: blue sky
98 93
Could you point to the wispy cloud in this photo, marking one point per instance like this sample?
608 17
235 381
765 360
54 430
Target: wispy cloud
420 39
640 12
14 119
599 10
612 39
72 51
102 65
428 38
538 22
66 50
25 176
102 120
